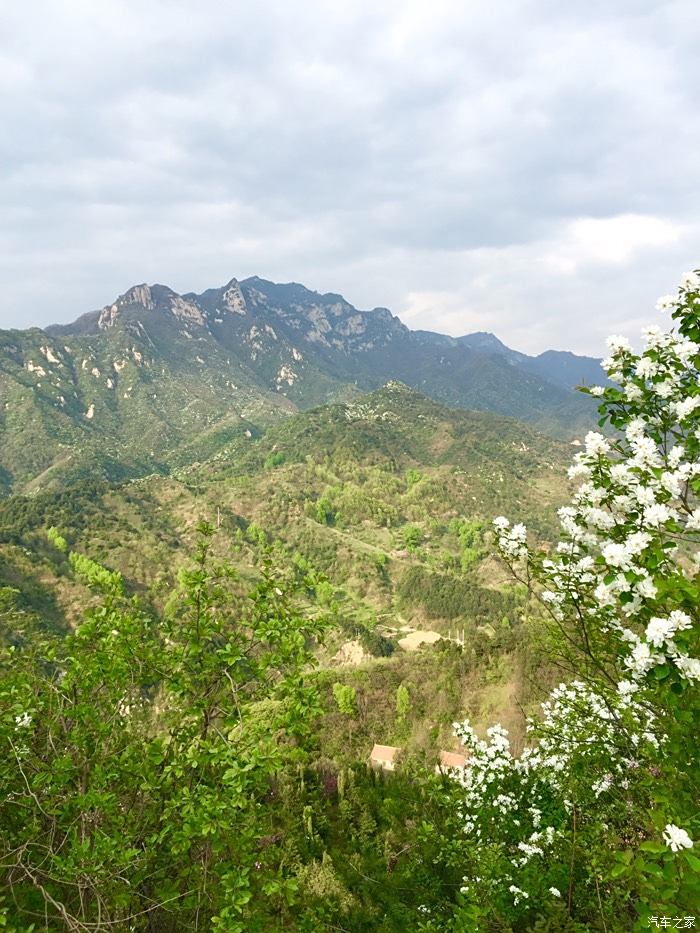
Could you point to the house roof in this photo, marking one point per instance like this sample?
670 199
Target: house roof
384 752
452 760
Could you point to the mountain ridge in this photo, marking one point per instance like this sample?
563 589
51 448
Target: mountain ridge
157 376
142 293
560 367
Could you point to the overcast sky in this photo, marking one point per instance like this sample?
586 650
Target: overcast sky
527 168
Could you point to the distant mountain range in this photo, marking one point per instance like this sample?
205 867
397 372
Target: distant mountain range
158 379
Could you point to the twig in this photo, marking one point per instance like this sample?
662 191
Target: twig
600 904
571 864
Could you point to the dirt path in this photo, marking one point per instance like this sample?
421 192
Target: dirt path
417 639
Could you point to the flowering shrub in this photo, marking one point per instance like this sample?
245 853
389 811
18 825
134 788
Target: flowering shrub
595 822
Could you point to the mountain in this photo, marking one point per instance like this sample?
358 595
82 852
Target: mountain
158 379
559 367
567 369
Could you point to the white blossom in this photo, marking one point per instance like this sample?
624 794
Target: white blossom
686 350
635 429
596 444
654 336
665 303
579 469
617 344
657 514
689 667
676 838
518 895
646 588
693 521
646 367
671 482
665 389
642 660
685 408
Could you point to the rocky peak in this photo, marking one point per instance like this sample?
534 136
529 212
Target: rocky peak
108 317
187 311
152 298
233 299
137 295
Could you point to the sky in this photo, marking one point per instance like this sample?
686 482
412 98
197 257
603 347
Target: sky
527 168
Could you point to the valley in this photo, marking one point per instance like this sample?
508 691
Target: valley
387 498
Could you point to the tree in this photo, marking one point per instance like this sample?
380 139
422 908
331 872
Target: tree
595 822
274 460
325 591
403 702
413 477
325 513
136 755
345 698
58 541
412 537
256 535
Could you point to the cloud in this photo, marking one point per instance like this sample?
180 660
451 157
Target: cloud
529 169
541 294
614 240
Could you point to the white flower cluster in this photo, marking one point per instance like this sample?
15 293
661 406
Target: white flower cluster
624 575
636 505
512 541
518 895
504 797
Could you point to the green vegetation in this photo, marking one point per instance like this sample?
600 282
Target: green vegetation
120 748
328 499
340 500
403 701
346 698
195 665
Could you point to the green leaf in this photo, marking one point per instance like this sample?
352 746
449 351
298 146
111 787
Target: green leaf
650 846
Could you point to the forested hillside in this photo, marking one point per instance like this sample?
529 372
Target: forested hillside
389 496
375 515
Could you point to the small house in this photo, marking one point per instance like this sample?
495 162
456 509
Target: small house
450 761
383 757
